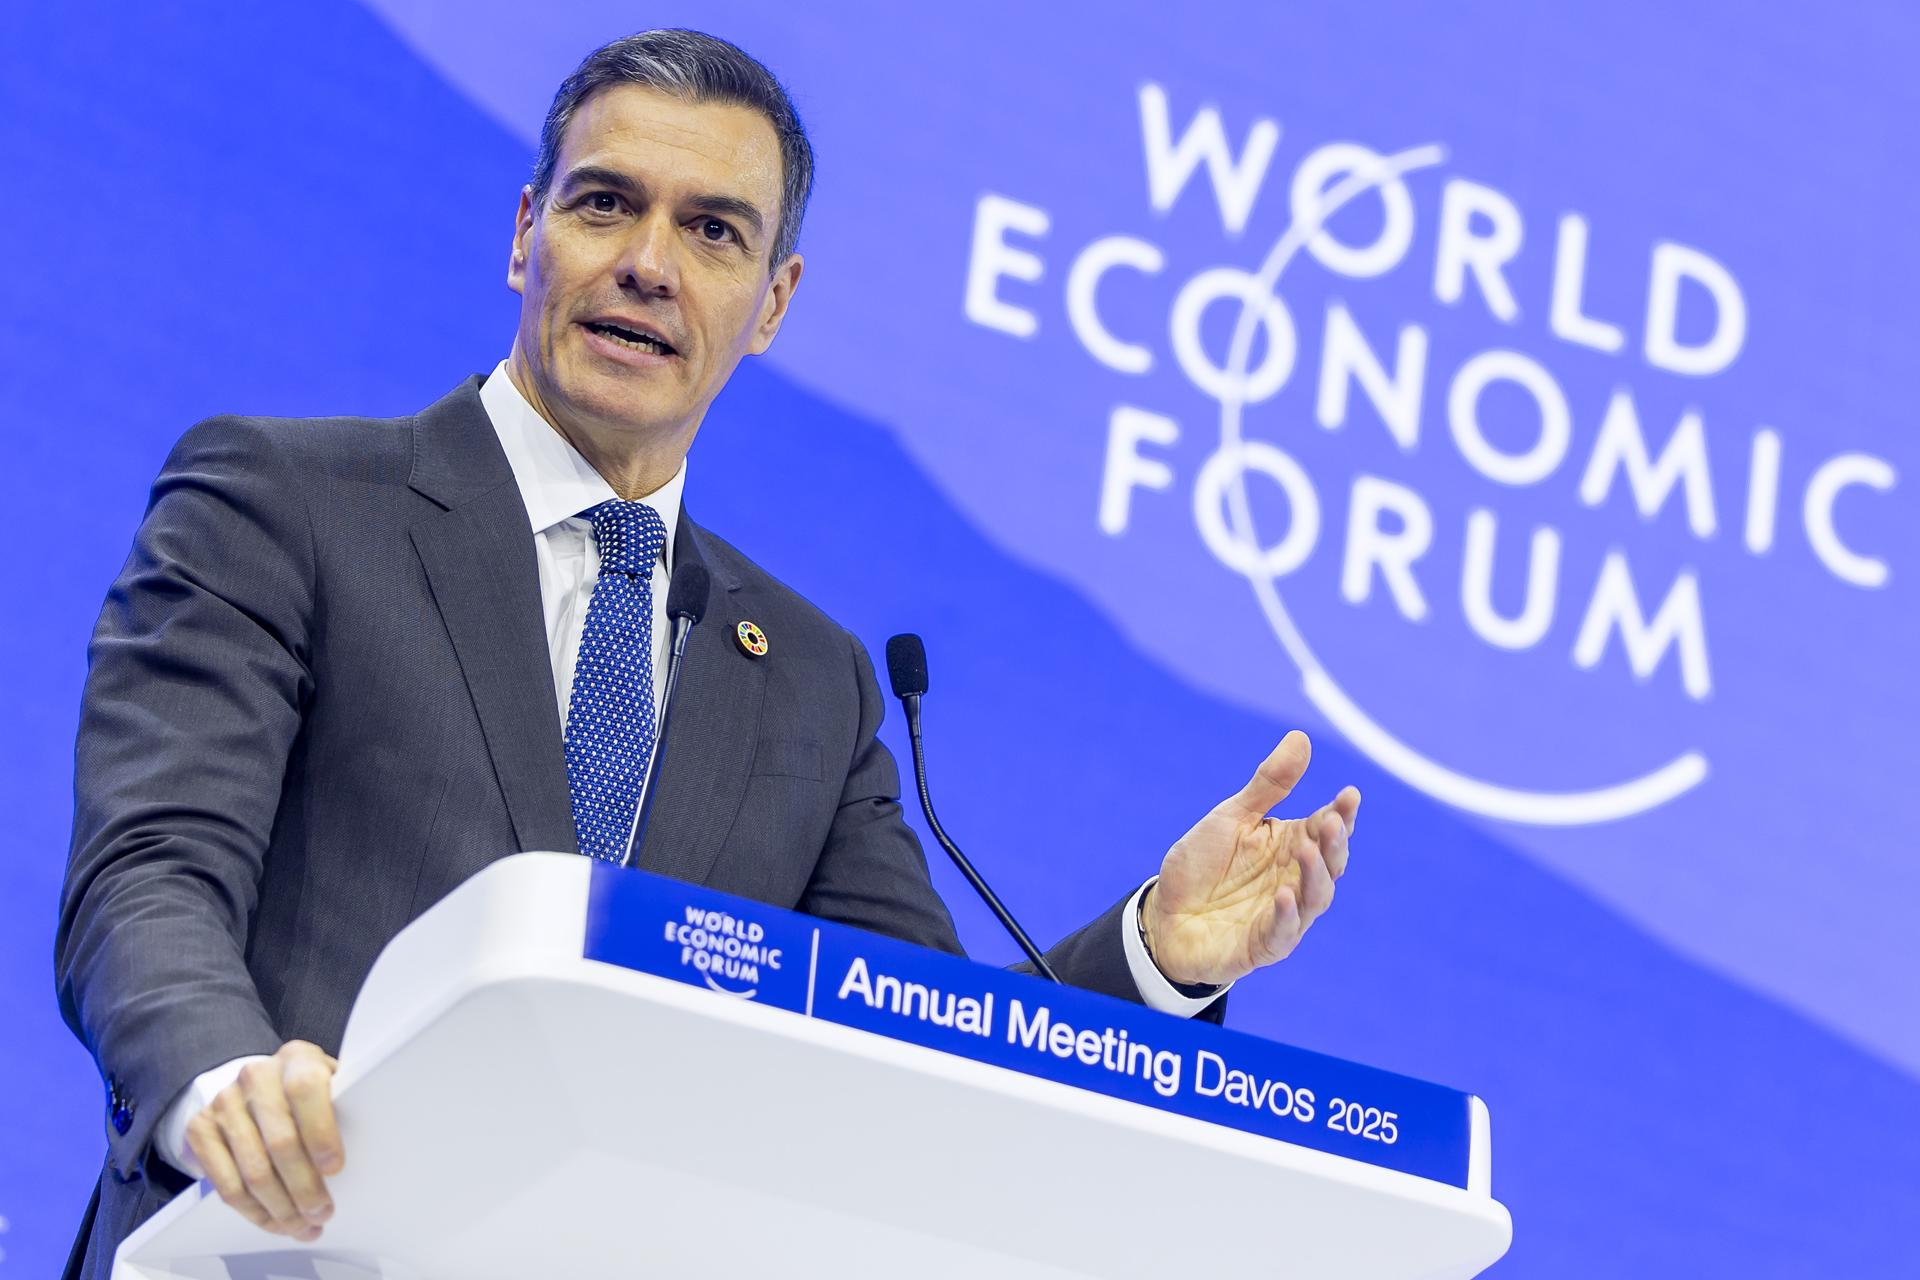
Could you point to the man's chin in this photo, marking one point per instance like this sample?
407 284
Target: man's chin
629 405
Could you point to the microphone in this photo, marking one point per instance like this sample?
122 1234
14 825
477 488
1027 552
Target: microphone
686 605
907 669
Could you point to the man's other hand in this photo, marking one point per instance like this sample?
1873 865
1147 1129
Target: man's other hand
1238 890
268 1141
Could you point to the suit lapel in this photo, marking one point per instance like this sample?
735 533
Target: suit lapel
712 728
479 560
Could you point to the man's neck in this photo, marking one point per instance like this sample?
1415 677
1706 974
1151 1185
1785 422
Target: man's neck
632 468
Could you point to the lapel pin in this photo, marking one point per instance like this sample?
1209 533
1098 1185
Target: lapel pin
752 640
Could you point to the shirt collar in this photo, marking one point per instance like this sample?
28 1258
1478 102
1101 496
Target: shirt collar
555 482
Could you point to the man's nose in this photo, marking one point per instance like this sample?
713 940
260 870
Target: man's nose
651 263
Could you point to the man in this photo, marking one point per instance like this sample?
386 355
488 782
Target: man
349 662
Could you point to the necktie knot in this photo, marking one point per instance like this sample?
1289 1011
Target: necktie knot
630 536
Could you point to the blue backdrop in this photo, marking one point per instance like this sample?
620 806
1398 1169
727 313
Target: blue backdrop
1559 488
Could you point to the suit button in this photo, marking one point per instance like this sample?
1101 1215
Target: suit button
119 1109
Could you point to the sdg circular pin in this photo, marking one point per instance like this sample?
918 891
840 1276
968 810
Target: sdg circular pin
752 640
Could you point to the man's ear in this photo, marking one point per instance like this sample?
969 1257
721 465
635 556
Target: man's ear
786 278
522 234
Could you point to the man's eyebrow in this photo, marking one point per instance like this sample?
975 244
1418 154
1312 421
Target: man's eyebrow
593 175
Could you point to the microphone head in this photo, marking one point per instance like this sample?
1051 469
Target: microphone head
907 665
687 593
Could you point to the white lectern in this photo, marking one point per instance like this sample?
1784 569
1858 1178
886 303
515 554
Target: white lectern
570 1070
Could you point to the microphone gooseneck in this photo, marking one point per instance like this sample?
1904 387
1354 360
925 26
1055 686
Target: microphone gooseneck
686 605
907 671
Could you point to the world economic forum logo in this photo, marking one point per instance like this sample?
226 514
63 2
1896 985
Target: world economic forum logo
731 955
1694 325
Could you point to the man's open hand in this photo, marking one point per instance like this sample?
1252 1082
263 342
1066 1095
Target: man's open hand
269 1139
1239 889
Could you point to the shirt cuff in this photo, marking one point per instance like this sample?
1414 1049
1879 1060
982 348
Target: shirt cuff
170 1136
1155 990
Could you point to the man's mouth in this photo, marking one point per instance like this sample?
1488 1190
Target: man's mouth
632 338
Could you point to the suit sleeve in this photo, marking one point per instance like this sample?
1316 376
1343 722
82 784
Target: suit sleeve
197 675
873 873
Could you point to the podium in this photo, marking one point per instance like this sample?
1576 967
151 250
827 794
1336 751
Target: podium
568 1069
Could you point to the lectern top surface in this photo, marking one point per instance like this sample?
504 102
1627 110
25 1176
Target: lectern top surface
663 1071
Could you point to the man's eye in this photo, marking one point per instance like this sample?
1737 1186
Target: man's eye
603 202
715 230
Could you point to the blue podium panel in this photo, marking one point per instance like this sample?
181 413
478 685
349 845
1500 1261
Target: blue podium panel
896 989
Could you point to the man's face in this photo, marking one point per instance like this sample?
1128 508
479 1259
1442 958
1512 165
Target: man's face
643 275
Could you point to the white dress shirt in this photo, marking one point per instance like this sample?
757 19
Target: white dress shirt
556 486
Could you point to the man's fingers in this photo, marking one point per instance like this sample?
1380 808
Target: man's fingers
1331 831
1316 881
210 1149
1283 928
257 1174
267 1104
308 1077
1347 805
1274 779
1330 825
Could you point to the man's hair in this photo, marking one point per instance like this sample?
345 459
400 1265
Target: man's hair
695 67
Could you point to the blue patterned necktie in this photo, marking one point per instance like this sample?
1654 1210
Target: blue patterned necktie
610 712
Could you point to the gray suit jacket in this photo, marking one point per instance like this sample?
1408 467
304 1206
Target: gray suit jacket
319 697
